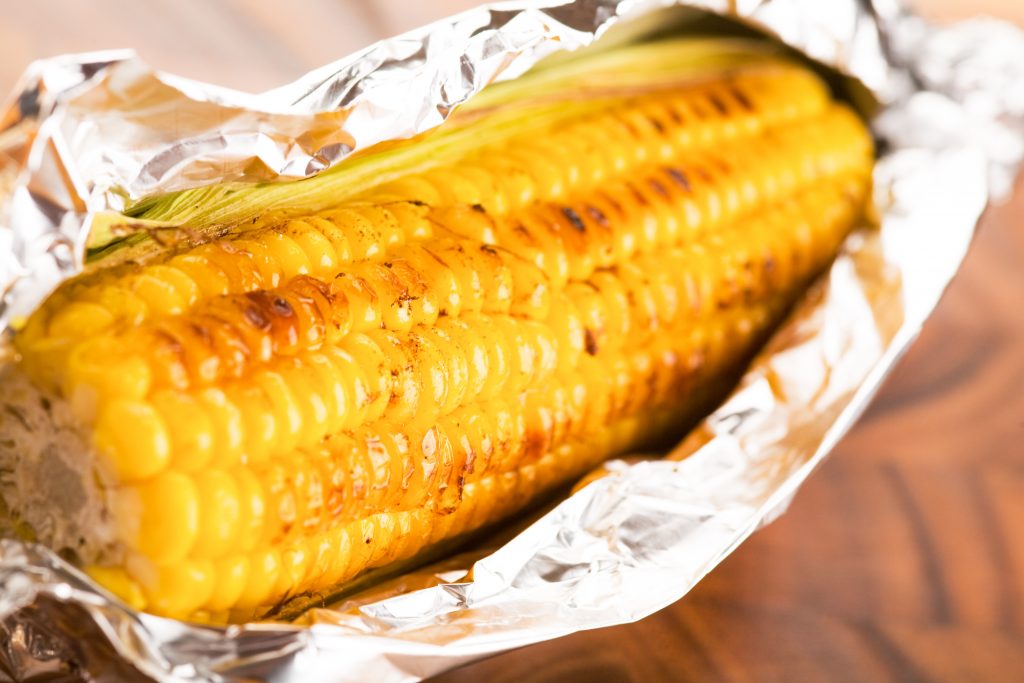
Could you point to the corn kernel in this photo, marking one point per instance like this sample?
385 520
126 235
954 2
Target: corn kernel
159 518
230 577
220 514
174 590
132 438
190 428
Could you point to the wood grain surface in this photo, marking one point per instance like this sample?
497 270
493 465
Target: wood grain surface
901 560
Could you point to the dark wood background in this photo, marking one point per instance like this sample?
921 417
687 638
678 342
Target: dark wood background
901 560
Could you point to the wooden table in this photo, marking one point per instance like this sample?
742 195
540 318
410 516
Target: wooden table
901 560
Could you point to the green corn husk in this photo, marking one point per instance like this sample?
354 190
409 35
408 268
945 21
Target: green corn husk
555 90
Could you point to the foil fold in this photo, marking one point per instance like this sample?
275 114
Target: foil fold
77 140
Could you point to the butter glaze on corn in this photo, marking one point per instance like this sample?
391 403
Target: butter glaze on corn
279 410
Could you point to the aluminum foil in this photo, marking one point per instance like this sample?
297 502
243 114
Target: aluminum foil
91 133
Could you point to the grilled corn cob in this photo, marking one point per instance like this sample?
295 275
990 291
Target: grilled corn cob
275 411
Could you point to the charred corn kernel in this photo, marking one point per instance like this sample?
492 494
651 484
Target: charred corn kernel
132 438
299 401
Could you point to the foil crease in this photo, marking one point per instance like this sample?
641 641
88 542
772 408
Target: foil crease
90 133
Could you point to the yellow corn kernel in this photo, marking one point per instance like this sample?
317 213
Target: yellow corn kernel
132 439
99 369
177 589
220 514
189 427
159 518
253 504
79 320
208 277
118 582
228 425
260 583
230 577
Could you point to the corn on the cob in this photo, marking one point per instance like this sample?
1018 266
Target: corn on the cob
282 408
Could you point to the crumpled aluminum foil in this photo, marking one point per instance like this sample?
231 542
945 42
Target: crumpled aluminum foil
93 132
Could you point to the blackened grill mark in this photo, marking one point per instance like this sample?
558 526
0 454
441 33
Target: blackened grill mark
322 287
479 208
172 343
574 218
536 444
630 127
282 308
638 195
265 308
718 104
488 249
589 341
658 125
203 332
674 115
255 317
658 187
525 233
597 215
679 178
611 201
741 98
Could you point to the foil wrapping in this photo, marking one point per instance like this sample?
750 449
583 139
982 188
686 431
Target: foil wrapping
92 133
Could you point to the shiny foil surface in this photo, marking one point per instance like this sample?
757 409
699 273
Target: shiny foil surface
92 133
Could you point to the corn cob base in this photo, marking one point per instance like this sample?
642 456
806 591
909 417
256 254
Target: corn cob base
278 411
